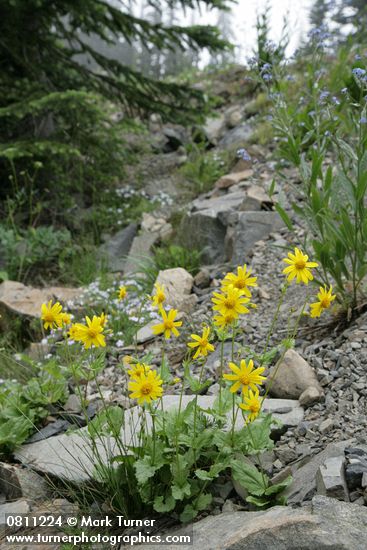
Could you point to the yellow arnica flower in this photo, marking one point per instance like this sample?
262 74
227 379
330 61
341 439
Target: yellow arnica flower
51 315
66 318
241 281
122 292
168 325
73 331
201 343
299 267
223 321
325 298
90 334
103 319
245 376
251 404
159 296
231 302
146 388
138 370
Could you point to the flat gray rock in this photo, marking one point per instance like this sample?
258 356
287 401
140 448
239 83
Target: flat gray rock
253 227
239 136
231 201
204 231
145 333
140 251
330 479
116 249
14 508
326 525
303 486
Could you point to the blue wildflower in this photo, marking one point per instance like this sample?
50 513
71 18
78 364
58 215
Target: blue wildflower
324 95
358 72
243 154
363 120
344 90
266 68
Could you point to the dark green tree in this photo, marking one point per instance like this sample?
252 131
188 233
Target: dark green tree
320 11
352 13
54 85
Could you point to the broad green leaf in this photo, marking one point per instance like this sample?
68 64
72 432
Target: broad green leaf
249 477
260 433
179 492
279 487
260 502
144 469
203 501
164 505
188 514
203 475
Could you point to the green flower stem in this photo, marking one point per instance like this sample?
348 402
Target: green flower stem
152 414
283 353
275 318
233 395
196 403
221 374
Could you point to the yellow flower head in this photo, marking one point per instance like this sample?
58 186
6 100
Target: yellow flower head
65 318
251 404
146 388
74 331
122 292
299 267
231 302
245 376
224 321
90 334
325 298
168 324
241 281
201 343
127 360
159 296
51 315
138 370
103 319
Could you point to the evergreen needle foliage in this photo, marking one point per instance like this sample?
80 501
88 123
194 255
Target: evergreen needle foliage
53 107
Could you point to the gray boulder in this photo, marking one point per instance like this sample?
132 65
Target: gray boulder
326 525
294 376
238 136
304 484
117 247
252 227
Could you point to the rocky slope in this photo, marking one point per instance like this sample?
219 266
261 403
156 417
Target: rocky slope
320 393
